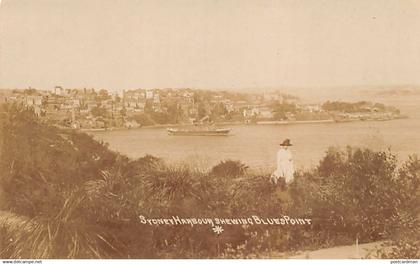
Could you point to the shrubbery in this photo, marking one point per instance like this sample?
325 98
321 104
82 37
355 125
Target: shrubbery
70 197
358 194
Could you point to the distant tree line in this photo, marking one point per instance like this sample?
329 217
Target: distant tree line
361 106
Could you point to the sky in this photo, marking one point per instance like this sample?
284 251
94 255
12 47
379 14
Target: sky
228 44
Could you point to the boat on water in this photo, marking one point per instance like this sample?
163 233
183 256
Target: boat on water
199 131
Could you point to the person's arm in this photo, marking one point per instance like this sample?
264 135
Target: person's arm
279 158
291 161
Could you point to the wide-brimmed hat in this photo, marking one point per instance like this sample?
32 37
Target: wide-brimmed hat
286 142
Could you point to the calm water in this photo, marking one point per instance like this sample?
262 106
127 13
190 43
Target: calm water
256 145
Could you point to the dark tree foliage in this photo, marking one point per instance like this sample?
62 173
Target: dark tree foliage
356 194
230 168
282 109
99 112
144 119
361 106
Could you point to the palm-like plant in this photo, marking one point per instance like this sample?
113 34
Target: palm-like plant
230 168
66 235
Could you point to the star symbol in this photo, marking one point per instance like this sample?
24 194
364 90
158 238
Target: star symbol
218 230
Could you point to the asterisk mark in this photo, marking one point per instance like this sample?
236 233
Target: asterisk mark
218 230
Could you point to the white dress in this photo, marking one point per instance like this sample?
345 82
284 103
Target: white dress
285 166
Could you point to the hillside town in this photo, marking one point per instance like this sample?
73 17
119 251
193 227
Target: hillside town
90 109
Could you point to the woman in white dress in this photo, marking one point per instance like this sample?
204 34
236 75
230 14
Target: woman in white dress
285 168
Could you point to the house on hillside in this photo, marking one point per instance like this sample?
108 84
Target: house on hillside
58 90
265 113
132 124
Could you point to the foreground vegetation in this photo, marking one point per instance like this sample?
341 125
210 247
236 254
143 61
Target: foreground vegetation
65 195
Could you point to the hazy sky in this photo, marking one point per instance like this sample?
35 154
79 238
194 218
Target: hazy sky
126 44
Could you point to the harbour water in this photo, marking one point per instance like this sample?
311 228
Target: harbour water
256 145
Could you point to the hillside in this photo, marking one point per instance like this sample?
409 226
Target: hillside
65 195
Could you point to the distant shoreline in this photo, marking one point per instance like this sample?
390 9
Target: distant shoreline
294 122
232 124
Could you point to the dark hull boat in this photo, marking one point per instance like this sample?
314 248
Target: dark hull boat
199 131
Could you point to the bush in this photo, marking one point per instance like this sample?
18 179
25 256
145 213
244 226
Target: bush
356 194
143 119
405 234
229 168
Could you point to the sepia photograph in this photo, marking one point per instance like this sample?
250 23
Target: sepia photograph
209 129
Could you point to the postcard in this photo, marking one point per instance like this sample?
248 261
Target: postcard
185 129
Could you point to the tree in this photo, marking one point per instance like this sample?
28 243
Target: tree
218 111
123 111
144 119
31 91
282 109
103 94
148 107
174 112
355 193
98 111
160 118
404 231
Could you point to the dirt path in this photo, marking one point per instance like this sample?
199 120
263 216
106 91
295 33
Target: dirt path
343 252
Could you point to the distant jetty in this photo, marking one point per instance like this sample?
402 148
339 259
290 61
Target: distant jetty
287 122
199 131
